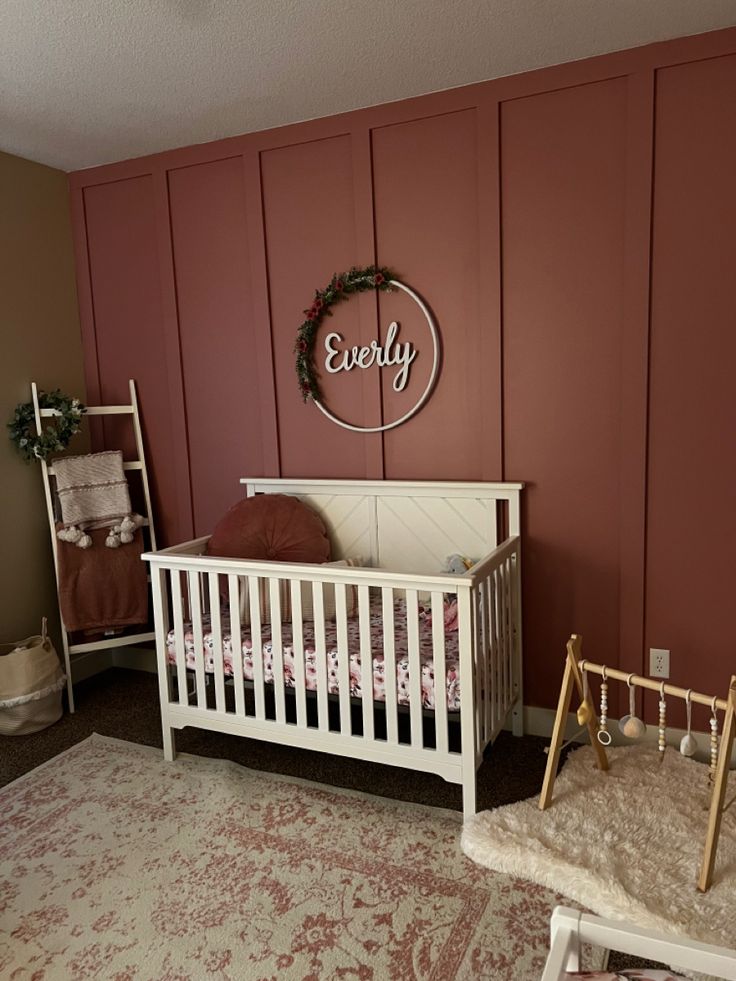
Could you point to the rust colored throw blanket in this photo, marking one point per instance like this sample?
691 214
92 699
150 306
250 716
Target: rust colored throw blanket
102 587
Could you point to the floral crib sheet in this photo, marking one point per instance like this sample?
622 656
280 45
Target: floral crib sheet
310 656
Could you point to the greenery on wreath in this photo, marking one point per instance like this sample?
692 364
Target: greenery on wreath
52 439
340 287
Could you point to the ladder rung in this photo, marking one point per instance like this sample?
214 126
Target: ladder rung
108 410
123 640
94 410
127 465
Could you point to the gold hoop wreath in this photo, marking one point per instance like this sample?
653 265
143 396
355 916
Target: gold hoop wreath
341 287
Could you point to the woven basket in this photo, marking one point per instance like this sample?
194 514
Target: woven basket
31 685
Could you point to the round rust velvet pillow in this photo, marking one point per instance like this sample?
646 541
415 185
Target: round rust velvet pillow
271 527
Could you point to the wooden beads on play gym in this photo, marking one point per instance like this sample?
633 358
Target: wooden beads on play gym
713 740
604 736
662 725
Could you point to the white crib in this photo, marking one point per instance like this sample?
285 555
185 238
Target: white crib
405 531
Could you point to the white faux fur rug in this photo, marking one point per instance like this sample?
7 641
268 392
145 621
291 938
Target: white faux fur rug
626 844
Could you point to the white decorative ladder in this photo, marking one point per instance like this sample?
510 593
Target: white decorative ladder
124 640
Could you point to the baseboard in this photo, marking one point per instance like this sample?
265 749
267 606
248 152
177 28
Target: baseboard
135 658
90 663
95 662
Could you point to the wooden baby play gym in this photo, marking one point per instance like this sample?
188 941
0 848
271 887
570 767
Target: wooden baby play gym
576 677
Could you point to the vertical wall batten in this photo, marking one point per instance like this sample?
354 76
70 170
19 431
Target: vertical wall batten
261 309
635 354
490 313
365 235
173 377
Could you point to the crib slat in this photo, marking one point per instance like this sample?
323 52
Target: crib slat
389 665
297 633
415 667
277 650
217 641
236 644
160 591
509 636
492 679
320 650
254 600
195 607
478 668
181 665
440 671
343 658
366 661
496 672
500 602
486 654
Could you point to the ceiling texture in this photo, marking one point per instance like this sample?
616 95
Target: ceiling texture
86 82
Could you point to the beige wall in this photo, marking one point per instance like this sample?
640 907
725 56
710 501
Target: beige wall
39 341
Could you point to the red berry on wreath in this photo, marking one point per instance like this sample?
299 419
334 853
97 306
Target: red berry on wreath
378 279
339 286
302 345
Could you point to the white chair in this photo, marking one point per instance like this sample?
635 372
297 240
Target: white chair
570 929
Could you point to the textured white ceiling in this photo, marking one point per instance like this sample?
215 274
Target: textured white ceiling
84 82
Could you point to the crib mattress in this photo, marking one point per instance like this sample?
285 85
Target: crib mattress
452 681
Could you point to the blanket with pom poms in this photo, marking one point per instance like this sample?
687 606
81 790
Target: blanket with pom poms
93 493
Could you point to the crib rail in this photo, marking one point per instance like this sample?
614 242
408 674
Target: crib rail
360 662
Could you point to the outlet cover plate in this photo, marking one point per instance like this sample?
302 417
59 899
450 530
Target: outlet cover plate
659 663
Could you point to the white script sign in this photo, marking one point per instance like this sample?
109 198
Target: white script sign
394 352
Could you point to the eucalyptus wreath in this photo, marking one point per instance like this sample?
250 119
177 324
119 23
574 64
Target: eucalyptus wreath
51 439
340 287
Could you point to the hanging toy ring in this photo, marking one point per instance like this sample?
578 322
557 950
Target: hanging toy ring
603 735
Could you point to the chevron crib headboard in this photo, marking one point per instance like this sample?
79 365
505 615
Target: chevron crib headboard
405 526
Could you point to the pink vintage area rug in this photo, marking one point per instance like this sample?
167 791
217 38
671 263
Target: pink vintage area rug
115 864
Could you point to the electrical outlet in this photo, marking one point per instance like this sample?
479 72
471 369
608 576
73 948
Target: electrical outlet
659 663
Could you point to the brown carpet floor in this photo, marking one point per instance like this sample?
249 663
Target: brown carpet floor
124 704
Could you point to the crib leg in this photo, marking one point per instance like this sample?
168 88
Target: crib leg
169 743
470 805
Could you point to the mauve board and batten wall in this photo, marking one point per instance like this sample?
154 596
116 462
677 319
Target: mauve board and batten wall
540 216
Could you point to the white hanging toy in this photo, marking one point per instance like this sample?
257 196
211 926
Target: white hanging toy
688 743
713 740
662 733
631 726
604 736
